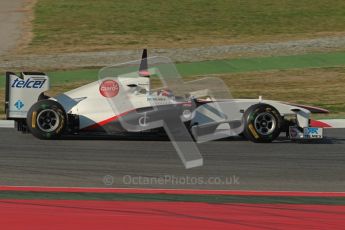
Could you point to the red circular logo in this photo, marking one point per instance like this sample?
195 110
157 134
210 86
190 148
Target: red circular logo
109 88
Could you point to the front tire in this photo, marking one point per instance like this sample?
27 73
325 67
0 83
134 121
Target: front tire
262 123
46 119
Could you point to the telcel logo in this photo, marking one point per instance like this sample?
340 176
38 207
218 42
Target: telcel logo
29 83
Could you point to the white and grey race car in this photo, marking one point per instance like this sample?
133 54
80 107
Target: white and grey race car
122 101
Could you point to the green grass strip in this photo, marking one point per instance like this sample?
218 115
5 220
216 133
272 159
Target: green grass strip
263 64
172 198
242 65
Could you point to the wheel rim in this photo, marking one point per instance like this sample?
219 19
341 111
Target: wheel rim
265 123
48 120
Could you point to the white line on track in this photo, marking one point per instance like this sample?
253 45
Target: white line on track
6 124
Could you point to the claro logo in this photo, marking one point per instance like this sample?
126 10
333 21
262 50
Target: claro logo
30 83
109 88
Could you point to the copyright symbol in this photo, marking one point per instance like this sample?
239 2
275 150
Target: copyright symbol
108 180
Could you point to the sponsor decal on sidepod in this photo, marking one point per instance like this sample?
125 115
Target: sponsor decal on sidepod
109 88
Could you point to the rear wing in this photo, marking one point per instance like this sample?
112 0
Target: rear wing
22 92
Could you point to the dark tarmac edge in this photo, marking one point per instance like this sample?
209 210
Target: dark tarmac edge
7 195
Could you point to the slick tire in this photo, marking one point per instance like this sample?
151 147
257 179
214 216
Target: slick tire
46 119
262 123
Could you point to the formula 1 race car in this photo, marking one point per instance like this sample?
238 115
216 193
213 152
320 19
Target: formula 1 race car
122 101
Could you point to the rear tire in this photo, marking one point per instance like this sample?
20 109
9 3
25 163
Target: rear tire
46 119
262 123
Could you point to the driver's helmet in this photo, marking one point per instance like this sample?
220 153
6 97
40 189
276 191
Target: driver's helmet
165 93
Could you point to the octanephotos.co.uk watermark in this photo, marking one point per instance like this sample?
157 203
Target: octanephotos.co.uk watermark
181 180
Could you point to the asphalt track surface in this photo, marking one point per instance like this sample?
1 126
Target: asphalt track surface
279 166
